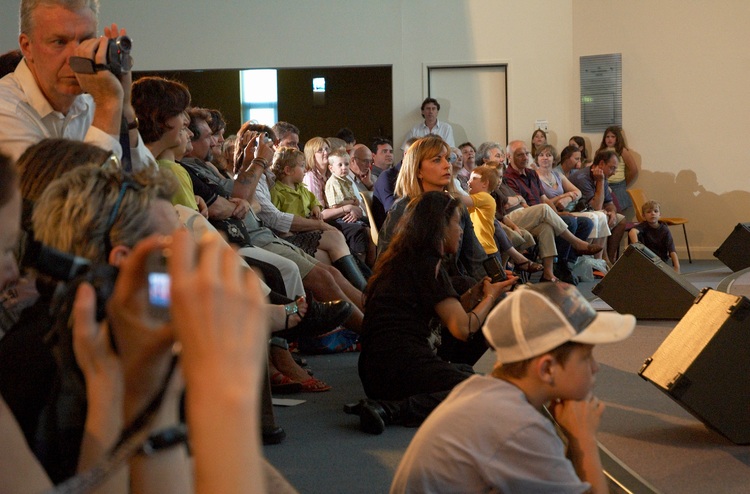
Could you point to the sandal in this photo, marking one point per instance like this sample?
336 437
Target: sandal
283 385
313 385
529 266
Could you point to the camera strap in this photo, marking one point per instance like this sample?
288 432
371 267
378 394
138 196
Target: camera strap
131 440
125 143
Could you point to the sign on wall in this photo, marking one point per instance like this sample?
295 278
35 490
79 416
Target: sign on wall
601 92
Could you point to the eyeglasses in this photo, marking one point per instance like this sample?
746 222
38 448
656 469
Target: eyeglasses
452 158
366 162
127 184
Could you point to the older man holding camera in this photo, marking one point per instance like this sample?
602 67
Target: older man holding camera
45 97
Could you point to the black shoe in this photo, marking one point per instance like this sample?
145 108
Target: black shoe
273 436
372 417
322 317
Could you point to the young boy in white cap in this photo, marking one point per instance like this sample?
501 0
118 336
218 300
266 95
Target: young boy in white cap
490 434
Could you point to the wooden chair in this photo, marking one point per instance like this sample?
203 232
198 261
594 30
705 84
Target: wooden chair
639 199
367 197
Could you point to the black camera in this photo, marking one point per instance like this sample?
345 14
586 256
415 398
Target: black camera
119 60
71 271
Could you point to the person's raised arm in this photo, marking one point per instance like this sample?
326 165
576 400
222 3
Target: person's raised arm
103 86
218 312
104 387
145 348
252 158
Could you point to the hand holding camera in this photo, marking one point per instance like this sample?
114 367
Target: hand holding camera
102 66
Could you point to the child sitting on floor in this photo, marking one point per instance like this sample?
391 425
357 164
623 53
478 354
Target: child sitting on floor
491 433
654 234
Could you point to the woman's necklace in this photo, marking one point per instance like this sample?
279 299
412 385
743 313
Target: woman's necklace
549 180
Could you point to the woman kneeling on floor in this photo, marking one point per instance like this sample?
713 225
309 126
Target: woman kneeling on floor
407 298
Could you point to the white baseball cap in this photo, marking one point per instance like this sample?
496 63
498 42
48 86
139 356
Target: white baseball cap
534 319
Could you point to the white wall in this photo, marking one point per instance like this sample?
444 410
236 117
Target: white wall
685 70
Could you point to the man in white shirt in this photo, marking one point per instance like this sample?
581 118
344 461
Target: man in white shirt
45 98
431 124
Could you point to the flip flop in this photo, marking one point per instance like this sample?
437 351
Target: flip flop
282 385
313 385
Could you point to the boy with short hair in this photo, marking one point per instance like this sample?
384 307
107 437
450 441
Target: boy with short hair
483 180
340 191
491 435
655 235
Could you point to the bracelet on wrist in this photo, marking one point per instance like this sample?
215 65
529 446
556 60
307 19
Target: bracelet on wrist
260 161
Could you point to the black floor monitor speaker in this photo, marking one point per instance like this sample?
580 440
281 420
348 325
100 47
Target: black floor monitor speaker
735 251
703 364
640 283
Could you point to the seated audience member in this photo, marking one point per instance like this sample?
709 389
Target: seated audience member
490 151
402 376
570 159
218 128
491 434
431 125
44 85
347 135
161 107
341 192
426 168
382 156
317 150
580 143
565 196
567 245
468 156
287 134
455 158
384 191
482 207
538 139
360 167
654 234
595 191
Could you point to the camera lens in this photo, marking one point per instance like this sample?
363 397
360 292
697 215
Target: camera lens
124 43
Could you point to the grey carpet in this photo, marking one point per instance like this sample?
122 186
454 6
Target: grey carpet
326 453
